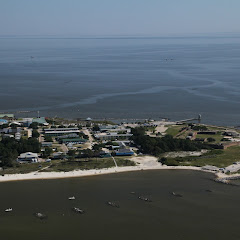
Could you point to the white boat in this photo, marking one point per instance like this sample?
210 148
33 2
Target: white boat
71 198
78 210
8 210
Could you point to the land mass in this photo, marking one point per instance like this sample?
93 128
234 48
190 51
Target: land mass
59 148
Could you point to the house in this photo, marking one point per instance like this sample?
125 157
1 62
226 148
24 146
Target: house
28 157
124 152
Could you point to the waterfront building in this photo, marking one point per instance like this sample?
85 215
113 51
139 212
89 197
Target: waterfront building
124 152
28 157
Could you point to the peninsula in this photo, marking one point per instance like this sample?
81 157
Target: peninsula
50 148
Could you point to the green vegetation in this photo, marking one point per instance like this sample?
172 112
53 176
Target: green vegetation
87 164
199 128
11 148
34 125
156 146
24 168
218 158
217 137
95 128
174 130
35 133
104 122
48 138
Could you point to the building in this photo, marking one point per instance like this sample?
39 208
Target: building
17 135
124 152
55 132
28 157
112 136
40 120
3 121
46 144
73 140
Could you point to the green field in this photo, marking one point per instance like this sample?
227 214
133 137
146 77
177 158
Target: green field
24 168
217 137
218 158
174 130
87 164
66 166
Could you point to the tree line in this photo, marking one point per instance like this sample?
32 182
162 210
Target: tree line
157 146
10 149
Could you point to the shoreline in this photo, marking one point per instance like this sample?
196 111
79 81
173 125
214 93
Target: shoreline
88 173
143 164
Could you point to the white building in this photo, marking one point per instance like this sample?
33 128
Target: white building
28 157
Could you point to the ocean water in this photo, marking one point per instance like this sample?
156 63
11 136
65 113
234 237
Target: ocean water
198 214
174 78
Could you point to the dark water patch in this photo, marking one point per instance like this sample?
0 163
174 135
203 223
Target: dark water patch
198 214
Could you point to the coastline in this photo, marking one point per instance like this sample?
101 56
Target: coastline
86 173
144 163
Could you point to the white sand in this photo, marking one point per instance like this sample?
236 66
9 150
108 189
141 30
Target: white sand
143 163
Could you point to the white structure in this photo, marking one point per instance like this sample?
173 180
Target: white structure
60 131
28 157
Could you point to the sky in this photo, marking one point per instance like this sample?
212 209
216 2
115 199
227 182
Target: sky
118 17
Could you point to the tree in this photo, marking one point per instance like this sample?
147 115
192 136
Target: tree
35 133
96 128
34 125
47 152
48 138
210 139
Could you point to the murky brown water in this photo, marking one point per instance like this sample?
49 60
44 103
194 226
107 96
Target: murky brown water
199 214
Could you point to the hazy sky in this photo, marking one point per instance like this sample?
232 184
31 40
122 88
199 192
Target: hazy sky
118 17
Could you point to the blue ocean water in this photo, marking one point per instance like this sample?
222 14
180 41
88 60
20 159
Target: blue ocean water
174 78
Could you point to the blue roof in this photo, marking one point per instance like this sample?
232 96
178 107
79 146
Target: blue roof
3 121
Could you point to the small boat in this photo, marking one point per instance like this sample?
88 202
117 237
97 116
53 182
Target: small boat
208 190
113 204
78 210
176 194
144 199
40 215
71 198
8 210
132 192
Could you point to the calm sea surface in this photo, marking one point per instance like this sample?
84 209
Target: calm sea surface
175 78
198 215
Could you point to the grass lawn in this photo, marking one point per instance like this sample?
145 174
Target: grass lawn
24 168
174 130
87 164
218 158
217 137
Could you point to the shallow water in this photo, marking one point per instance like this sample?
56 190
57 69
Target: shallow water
199 214
176 78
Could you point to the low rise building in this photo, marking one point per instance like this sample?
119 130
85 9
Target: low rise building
73 140
124 152
55 132
28 157
112 136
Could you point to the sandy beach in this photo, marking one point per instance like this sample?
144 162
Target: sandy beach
143 163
